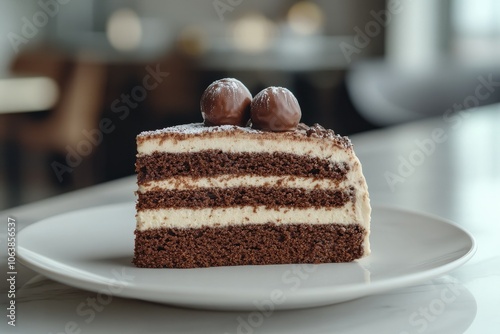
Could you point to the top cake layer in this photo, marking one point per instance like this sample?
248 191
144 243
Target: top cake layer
197 137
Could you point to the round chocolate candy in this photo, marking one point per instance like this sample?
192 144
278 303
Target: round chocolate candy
275 109
226 102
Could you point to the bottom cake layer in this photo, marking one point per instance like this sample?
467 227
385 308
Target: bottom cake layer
253 244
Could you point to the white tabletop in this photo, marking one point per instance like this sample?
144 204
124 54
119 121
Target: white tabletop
448 167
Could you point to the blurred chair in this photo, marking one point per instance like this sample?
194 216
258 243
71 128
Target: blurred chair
82 86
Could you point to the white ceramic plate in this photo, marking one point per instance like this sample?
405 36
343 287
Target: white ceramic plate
92 249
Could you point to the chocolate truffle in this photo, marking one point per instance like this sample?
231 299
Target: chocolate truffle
226 102
275 109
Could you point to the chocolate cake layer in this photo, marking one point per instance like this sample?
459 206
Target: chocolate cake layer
159 166
271 197
248 245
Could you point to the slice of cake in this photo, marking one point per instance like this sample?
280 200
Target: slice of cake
274 192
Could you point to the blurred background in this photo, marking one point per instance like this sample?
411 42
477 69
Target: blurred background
79 79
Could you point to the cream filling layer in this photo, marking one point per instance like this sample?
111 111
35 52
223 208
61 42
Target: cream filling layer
231 181
196 218
222 217
247 143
